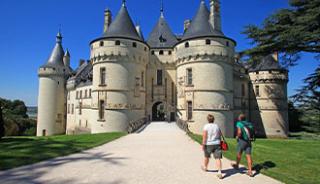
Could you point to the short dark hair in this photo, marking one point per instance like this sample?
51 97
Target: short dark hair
210 118
242 117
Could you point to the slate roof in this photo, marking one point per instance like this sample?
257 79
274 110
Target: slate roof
122 26
83 74
162 36
267 63
200 25
56 57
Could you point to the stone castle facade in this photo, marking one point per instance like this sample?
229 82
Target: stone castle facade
166 77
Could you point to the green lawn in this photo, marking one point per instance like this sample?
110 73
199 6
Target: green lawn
290 161
18 151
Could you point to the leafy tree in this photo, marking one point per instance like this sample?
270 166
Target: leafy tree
288 31
295 123
1 123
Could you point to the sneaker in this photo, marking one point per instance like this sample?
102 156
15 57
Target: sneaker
220 176
249 174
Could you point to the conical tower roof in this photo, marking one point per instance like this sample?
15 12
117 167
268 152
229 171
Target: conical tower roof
56 57
162 36
123 26
200 25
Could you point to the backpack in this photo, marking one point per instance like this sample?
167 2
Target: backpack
248 132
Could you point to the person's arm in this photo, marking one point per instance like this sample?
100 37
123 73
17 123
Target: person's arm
238 133
204 139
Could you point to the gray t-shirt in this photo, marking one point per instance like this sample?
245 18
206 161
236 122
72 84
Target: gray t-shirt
213 134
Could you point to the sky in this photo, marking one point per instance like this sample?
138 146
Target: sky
28 29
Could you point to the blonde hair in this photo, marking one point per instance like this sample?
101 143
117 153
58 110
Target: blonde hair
210 118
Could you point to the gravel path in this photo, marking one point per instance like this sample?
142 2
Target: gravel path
161 153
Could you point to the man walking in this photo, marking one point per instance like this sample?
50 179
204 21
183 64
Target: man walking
245 135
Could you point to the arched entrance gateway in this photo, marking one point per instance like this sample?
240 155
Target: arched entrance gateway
159 111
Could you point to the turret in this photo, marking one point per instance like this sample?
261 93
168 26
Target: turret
204 59
66 59
268 97
215 16
119 60
51 99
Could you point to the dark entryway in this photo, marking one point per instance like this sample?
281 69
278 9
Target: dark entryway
158 112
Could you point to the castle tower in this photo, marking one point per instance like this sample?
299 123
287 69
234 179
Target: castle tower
268 98
119 60
52 93
161 81
204 59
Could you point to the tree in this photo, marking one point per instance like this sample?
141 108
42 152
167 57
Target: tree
288 31
1 123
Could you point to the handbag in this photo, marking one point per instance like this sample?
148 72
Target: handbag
223 144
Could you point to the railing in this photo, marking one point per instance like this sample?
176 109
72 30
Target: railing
183 125
136 125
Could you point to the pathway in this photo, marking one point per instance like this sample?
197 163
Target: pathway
160 154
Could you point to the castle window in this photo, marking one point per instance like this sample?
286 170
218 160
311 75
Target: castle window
270 71
169 52
101 109
90 93
72 109
145 48
79 123
142 79
80 94
117 42
208 42
68 95
152 82
257 90
189 76
189 110
165 87
101 44
68 109
186 45
159 77
102 76
86 123
172 93
152 52
134 44
77 96
44 132
86 94
257 72
161 52
227 44
243 91
80 108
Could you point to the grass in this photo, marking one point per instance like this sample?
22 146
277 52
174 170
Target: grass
18 151
289 161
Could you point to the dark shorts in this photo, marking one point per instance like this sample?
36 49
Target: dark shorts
213 149
244 146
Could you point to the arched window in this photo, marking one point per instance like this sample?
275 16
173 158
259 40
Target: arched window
208 42
117 42
101 44
161 52
186 45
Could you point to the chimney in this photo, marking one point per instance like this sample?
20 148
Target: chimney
186 24
66 59
215 16
81 62
107 20
275 56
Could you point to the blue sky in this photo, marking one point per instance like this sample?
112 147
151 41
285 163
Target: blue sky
28 29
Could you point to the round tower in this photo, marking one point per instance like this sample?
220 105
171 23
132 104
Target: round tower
204 59
51 99
268 98
119 60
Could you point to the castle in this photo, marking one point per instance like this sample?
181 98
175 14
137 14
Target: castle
168 77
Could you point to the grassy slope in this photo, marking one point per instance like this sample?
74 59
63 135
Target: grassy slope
290 161
18 151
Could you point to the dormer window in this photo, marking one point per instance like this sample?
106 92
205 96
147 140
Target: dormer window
186 45
161 52
117 42
134 44
208 42
101 44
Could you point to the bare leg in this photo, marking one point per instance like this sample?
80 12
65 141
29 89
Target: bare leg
249 160
219 165
236 165
206 162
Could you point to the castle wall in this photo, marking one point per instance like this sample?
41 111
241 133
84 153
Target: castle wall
123 93
270 106
51 102
212 87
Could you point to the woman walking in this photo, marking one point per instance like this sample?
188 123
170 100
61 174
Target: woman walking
211 144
